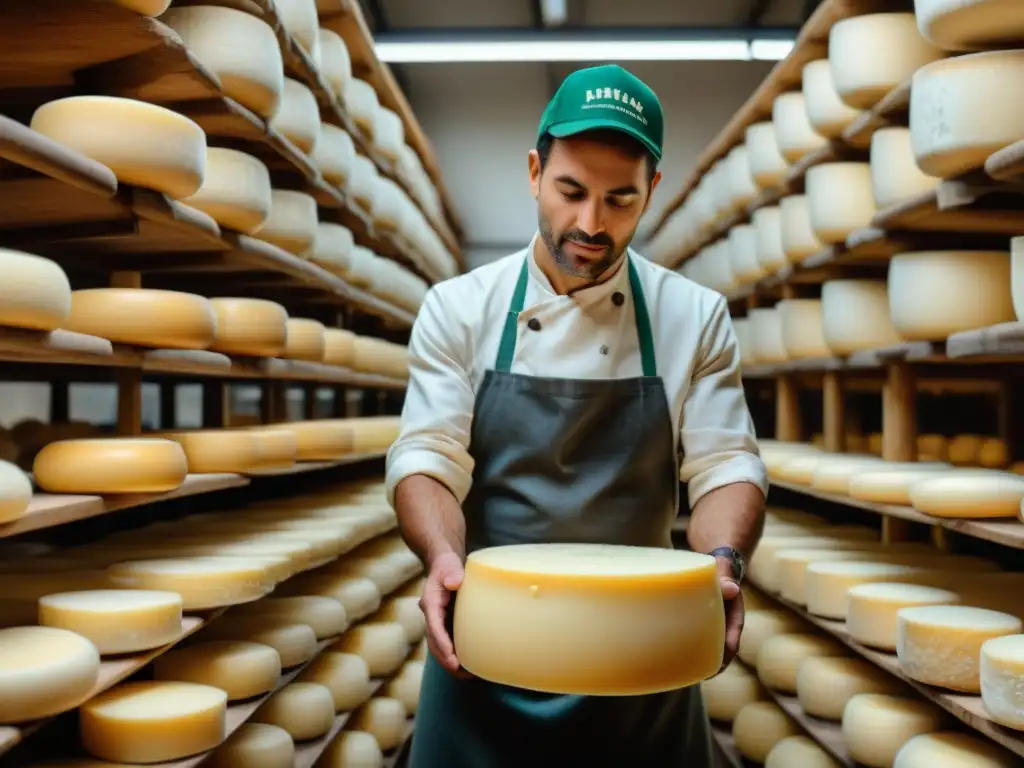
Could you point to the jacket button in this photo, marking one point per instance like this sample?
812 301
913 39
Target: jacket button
618 299
533 324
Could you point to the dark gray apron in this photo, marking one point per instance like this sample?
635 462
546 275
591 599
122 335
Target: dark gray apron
565 460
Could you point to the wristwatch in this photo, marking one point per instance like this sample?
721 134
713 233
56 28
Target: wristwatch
735 557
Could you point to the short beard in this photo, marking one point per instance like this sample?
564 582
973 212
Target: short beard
566 263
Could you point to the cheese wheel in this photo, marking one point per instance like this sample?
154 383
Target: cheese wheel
978 494
933 294
298 116
824 685
353 749
300 21
389 134
362 182
235 191
292 223
116 621
212 451
361 101
250 327
334 154
798 238
240 49
895 176
345 675
763 564
799 469
15 493
1001 672
794 133
993 453
255 745
767 165
840 199
855 316
385 719
958 111
964 450
339 347
826 111
941 644
406 612
153 722
955 750
758 727
740 185
305 340
769 343
145 7
801 751
771 252
382 645
143 316
761 625
359 596
729 691
405 687
371 434
780 657
872 610
143 144
381 357
321 439
295 643
834 476
304 710
963 25
530 592
335 61
743 254
110 466
789 570
35 292
202 582
44 671
876 726
243 670
332 248
324 615
802 330
892 484
898 50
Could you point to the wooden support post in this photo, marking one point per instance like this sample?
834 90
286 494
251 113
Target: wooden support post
168 405
216 404
899 433
126 279
59 402
129 402
834 412
339 405
273 402
309 401
788 423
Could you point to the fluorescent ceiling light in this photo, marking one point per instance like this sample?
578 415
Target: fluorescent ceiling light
463 51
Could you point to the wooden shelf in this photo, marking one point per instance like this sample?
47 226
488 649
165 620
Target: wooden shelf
318 466
892 110
730 756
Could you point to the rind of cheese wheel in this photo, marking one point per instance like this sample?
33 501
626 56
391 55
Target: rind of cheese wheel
762 563
876 725
277 448
940 645
295 643
799 469
384 718
213 451
335 61
292 223
740 185
824 684
964 25
840 199
35 292
382 645
371 434
339 347
322 439
958 111
332 248
359 596
389 134
826 111
153 722
891 484
298 116
255 745
802 328
855 316
834 476
144 316
202 582
899 49
799 751
977 494
44 671
964 450
794 133
305 340
249 327
528 592
406 612
780 657
895 176
372 355
952 749
362 267
334 154
241 669
1002 669
758 727
145 7
235 191
305 710
729 691
767 165
110 466
743 254
994 453
766 327
405 687
362 182
15 492
361 101
240 49
324 615
345 675
116 621
353 749
143 144
299 19
798 238
933 294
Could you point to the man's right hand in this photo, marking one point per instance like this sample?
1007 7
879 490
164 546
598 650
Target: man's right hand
443 578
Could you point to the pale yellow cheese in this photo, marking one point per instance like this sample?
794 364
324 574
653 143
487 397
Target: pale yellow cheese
793 130
202 582
767 165
345 675
840 199
873 609
953 750
324 615
405 686
760 625
321 439
855 315
332 248
144 316
300 22
250 327
145 7
359 596
304 710
255 745
527 593
298 116
779 658
385 719
798 469
111 466
798 237
798 751
235 191
405 611
373 434
116 621
44 671
385 358
334 154
769 343
382 645
143 144
826 111
339 347
891 483
962 25
34 292
876 726
152 722
389 134
15 492
824 685
335 61
835 474
241 669
975 494
790 577
802 328
361 101
292 223
305 340
1002 673
763 562
771 246
212 451
729 691
895 176
295 643
758 727
353 749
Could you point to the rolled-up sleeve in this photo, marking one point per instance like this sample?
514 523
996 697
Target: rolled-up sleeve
717 433
438 411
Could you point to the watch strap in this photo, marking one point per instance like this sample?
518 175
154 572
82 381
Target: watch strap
739 566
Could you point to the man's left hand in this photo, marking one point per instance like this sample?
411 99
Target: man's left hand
733 598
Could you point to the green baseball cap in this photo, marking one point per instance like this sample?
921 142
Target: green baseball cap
605 97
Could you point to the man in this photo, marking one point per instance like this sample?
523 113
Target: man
551 394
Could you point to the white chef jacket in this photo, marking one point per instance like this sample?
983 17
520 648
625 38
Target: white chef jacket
586 335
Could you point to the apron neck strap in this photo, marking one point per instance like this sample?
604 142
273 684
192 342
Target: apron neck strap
507 348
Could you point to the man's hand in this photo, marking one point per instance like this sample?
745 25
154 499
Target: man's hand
733 598
443 578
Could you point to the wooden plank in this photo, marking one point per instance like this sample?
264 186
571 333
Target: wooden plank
317 466
892 110
1000 341
1008 163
